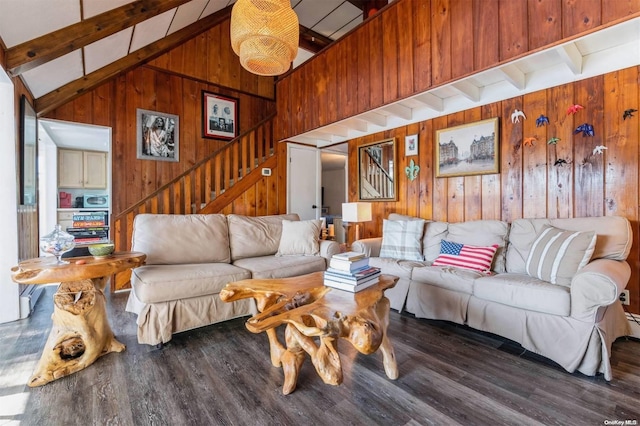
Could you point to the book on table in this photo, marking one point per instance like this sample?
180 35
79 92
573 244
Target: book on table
349 255
348 265
352 279
351 287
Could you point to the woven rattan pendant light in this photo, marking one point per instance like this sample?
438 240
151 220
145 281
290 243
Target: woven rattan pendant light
264 34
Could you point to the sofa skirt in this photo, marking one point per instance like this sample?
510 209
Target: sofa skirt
157 322
431 302
573 344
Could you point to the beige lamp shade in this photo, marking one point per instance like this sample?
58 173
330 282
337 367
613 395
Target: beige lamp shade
356 212
264 34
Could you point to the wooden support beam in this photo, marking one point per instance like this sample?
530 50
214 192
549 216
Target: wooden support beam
312 41
48 47
72 90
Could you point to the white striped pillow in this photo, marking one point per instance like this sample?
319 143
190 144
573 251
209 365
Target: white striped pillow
402 239
556 255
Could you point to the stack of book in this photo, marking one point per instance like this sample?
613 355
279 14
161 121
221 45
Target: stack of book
350 271
90 227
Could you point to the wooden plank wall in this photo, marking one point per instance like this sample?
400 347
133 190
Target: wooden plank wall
529 183
173 83
413 45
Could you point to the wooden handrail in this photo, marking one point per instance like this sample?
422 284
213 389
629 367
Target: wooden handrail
195 166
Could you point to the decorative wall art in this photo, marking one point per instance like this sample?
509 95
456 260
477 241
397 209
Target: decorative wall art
28 152
411 145
469 149
219 116
157 136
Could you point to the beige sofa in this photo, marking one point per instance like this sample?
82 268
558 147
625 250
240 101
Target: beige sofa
573 322
190 258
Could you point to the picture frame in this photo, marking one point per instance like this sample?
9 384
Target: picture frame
377 171
219 116
468 149
411 145
158 136
28 153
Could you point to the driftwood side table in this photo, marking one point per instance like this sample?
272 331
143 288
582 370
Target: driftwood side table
80 333
310 310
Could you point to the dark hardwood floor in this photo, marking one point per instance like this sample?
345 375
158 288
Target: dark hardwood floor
221 375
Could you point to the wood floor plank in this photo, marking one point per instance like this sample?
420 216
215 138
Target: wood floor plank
222 375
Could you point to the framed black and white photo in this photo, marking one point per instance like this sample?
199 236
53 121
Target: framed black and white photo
468 149
157 136
219 116
28 153
410 145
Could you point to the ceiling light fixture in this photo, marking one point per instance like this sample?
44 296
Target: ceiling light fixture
264 34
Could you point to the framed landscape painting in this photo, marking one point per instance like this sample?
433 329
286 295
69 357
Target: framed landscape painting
219 116
468 149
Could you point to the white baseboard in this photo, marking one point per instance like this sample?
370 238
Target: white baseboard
28 299
635 328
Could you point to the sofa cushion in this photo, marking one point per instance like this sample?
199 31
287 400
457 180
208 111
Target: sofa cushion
300 238
482 233
435 233
466 256
402 239
524 292
556 254
447 277
282 266
613 242
255 236
161 283
178 239
397 267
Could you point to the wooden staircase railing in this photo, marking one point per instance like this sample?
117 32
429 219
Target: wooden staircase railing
196 189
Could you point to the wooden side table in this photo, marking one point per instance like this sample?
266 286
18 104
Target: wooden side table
80 333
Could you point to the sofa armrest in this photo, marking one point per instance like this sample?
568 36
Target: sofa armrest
597 285
369 246
328 248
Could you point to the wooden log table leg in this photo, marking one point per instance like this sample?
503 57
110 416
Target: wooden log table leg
388 354
80 333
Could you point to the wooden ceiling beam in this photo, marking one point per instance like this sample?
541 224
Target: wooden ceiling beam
312 41
66 93
32 53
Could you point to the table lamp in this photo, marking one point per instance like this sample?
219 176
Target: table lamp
356 213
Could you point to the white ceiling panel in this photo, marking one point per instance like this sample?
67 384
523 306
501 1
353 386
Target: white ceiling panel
215 5
342 31
187 14
302 57
310 12
151 30
95 7
337 19
21 21
107 50
51 75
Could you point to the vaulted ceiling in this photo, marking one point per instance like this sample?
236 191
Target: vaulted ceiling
62 47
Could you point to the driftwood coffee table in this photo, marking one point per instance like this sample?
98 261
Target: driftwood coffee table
311 310
80 333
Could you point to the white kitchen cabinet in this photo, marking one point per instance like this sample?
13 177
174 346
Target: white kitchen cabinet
82 169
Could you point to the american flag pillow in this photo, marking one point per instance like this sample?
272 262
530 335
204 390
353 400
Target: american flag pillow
466 256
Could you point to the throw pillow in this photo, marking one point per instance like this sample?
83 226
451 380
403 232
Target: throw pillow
402 239
466 256
556 255
300 237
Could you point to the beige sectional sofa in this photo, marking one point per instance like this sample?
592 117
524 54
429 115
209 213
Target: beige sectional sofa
190 258
573 321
